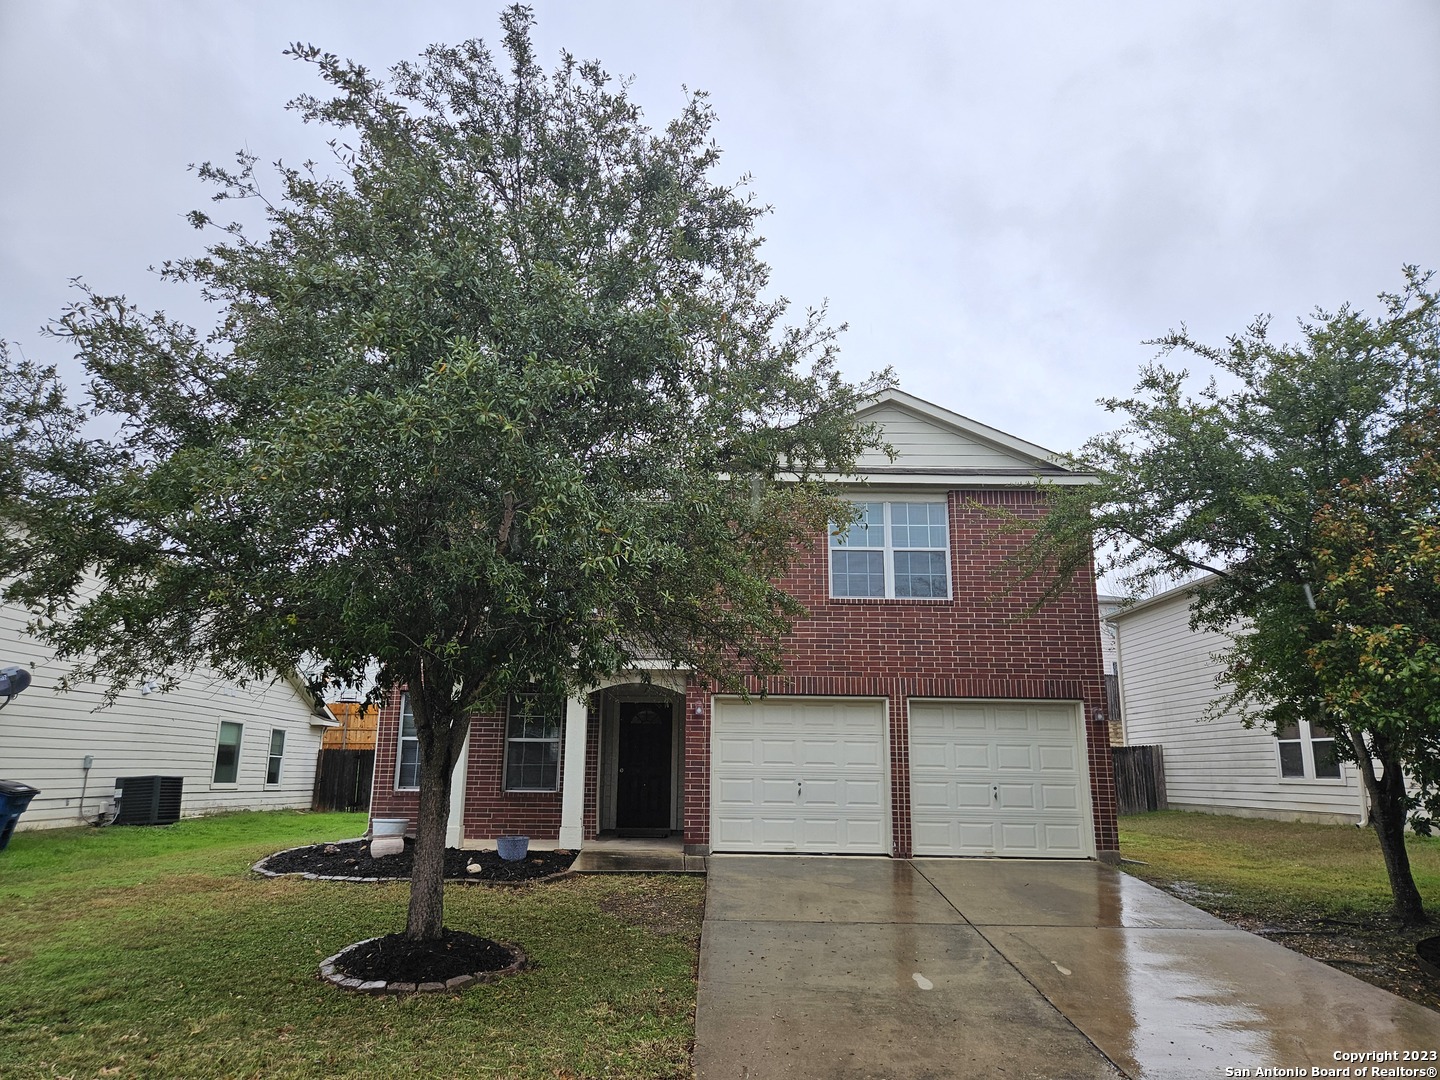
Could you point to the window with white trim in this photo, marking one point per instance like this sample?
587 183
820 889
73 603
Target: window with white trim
277 755
532 743
1307 752
407 757
892 550
227 753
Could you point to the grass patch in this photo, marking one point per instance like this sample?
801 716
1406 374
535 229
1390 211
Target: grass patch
153 952
1320 890
1273 864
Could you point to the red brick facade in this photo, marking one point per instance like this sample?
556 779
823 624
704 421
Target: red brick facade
977 645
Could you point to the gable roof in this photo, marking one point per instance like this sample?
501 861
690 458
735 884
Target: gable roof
936 446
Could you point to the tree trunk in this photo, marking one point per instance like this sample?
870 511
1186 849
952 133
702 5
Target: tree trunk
440 739
1387 816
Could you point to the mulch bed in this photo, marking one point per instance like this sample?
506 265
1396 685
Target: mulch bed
393 958
351 860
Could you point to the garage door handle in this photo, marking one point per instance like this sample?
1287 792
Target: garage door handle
995 792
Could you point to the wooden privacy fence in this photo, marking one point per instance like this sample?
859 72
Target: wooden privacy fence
1139 778
342 780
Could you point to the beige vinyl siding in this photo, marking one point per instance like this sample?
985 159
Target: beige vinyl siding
1167 679
920 444
45 736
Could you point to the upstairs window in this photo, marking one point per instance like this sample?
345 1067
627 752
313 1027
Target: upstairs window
893 550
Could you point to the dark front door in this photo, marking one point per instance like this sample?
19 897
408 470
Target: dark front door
643 797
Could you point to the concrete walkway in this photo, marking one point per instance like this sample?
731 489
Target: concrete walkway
842 968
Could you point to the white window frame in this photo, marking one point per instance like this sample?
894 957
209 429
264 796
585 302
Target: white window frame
239 745
888 549
275 761
556 741
1306 739
400 740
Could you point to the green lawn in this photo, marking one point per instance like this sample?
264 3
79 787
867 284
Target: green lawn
1273 865
155 952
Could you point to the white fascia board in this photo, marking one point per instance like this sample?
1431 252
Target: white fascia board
949 480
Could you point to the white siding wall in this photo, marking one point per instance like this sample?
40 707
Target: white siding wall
44 737
920 444
1167 679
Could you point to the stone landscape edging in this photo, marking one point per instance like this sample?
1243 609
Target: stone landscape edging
329 973
260 868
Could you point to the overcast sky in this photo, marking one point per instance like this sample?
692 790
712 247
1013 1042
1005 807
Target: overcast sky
1002 200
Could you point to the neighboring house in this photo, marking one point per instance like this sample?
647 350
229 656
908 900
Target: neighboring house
919 712
236 748
1168 678
1110 661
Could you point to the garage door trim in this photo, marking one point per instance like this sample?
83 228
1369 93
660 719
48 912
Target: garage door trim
1084 793
884 845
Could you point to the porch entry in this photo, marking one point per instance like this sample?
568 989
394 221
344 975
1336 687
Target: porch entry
643 758
640 763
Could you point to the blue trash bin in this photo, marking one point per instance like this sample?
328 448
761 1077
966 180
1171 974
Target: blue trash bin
14 798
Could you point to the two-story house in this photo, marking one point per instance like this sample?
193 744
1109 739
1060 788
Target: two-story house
920 710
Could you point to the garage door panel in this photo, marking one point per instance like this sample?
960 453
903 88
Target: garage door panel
863 794
1054 721
732 790
1059 838
1059 797
1013 783
823 761
975 835
971 795
734 751
1012 756
1021 839
1058 758
1015 797
928 755
772 793
779 752
930 793
966 756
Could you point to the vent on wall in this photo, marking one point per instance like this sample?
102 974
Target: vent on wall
149 800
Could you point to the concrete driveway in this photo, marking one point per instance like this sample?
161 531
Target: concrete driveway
842 968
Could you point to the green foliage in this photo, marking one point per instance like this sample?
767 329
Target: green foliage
489 405
499 402
1301 480
1378 666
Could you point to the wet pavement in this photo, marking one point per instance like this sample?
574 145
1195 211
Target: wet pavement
858 967
637 856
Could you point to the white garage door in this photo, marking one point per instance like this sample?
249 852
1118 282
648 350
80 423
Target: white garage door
998 779
799 774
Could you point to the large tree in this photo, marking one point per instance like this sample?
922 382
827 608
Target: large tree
1304 484
497 403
